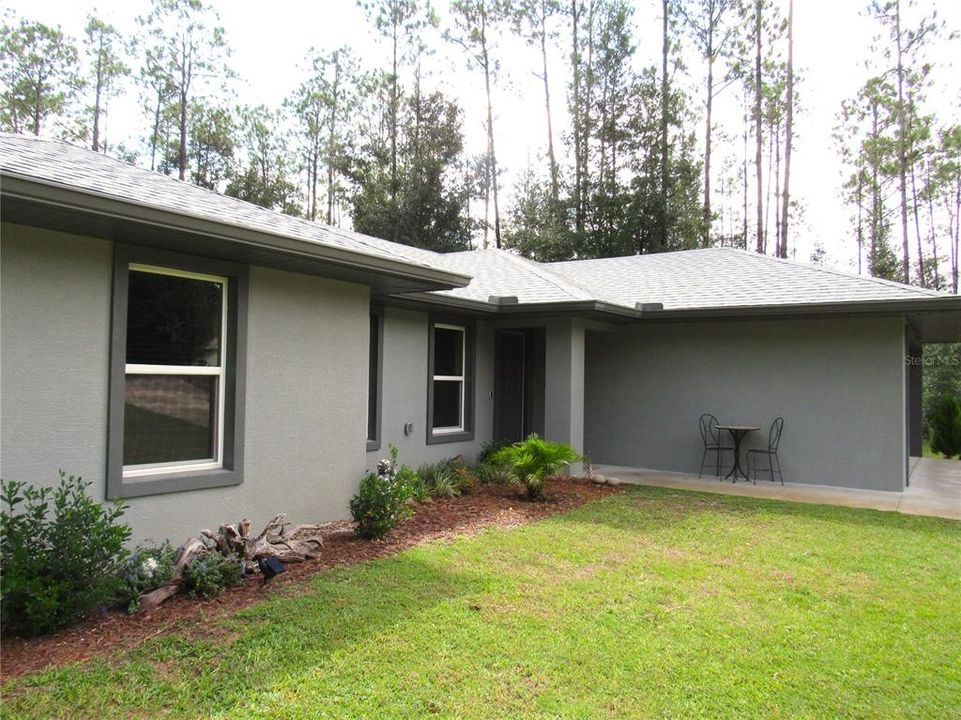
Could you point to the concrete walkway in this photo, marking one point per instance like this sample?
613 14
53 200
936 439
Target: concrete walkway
935 488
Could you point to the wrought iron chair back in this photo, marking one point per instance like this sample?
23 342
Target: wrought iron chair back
709 432
774 435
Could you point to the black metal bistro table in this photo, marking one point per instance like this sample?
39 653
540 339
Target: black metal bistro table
737 433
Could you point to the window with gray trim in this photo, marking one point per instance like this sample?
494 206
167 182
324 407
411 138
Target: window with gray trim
450 382
176 411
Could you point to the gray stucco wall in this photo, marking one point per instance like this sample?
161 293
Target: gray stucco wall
305 408
404 391
839 384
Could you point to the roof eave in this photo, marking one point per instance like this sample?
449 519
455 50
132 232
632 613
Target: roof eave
24 188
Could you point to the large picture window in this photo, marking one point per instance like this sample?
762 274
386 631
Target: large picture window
175 411
175 371
449 391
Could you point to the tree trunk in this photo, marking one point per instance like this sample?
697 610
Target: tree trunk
860 196
555 192
757 125
37 105
788 132
182 154
662 204
917 227
95 144
706 238
957 232
576 119
490 128
875 197
744 177
902 146
393 127
155 137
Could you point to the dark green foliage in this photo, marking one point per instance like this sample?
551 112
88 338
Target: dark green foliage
428 208
940 377
61 557
532 461
449 478
489 473
209 575
406 475
148 567
489 447
38 73
383 500
945 424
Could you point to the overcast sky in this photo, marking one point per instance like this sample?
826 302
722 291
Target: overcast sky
270 40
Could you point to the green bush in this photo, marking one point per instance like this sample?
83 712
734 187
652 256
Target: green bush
488 448
61 557
148 567
440 479
532 461
490 473
945 425
383 500
209 575
419 491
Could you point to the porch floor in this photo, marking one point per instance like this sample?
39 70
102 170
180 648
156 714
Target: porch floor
935 488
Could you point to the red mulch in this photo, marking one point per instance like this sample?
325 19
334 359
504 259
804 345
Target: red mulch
438 520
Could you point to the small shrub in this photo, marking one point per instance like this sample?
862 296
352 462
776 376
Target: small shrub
62 553
419 491
532 461
148 567
465 478
490 473
209 575
945 426
440 480
383 499
488 448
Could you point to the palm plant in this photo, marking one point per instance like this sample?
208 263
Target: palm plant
532 461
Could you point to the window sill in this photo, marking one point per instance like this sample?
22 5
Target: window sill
163 483
434 438
373 445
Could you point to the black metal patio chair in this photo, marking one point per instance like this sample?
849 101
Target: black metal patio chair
773 461
712 443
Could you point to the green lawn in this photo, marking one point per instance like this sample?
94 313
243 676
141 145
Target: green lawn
649 603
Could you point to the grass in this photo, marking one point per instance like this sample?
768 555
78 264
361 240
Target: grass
652 603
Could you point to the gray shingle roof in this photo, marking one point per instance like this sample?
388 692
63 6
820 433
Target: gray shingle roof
59 163
715 278
499 272
725 278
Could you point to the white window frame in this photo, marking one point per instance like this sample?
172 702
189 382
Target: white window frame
220 372
462 378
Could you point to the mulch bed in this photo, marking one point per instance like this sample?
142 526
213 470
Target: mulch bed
114 630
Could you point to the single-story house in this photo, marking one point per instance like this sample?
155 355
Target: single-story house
207 359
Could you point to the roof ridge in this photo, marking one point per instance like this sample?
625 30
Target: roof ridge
831 271
537 268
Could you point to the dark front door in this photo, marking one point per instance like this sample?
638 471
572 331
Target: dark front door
518 384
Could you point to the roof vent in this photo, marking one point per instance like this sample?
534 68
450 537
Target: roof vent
648 307
502 299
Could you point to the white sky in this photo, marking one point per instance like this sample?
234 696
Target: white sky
270 41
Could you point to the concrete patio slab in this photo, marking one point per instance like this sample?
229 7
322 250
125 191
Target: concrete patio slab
935 489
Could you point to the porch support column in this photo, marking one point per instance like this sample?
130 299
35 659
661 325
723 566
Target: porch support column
564 386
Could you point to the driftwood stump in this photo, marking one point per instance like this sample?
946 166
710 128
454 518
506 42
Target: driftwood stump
277 540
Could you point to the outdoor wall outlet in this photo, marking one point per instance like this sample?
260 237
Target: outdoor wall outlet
408 428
